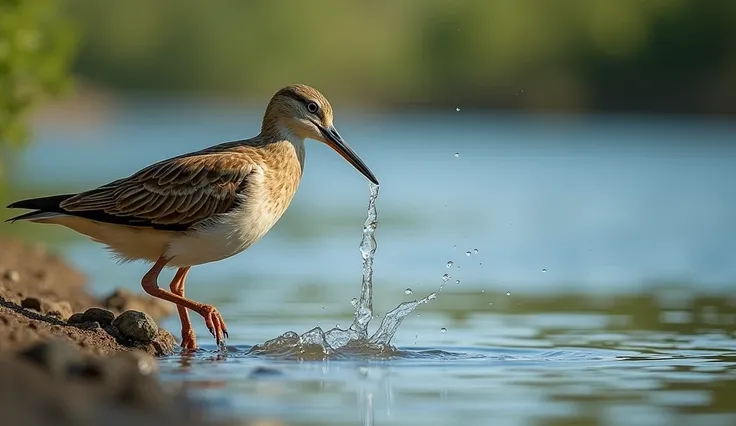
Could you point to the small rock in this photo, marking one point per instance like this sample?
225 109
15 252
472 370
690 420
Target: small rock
102 316
114 332
12 275
77 318
90 325
136 325
61 310
31 303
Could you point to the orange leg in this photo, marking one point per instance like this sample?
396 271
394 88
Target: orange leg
212 318
188 339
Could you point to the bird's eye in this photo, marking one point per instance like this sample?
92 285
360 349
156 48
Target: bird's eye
312 107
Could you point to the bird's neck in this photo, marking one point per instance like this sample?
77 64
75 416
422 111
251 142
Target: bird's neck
282 139
297 142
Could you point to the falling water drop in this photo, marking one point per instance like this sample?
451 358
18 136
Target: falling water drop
480 263
457 281
457 109
443 330
544 270
467 253
490 303
445 277
475 251
408 291
354 302
454 246
450 263
457 154
483 290
508 293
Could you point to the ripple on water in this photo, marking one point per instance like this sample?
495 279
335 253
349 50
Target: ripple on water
336 342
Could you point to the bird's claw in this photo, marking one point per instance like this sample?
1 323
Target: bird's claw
215 324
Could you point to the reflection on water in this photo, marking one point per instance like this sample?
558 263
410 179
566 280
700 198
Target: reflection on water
565 360
603 290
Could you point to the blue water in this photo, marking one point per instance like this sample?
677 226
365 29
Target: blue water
594 216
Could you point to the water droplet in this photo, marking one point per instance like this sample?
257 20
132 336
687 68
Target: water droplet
354 302
508 293
450 263
408 291
490 303
432 296
457 281
480 263
337 325
445 277
544 270
457 154
457 109
475 251
443 330
454 246
467 253
511 224
324 307
483 290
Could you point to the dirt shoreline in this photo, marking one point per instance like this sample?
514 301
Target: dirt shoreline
64 363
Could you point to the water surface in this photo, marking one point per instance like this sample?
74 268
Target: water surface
603 290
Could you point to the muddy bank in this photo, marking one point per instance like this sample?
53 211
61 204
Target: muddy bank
67 357
43 297
55 383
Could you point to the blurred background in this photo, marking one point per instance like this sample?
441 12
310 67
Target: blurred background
585 148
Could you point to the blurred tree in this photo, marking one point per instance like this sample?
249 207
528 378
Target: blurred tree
36 51
615 55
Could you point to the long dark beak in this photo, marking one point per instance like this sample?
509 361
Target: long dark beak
338 144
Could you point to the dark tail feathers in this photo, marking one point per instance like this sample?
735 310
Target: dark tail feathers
39 205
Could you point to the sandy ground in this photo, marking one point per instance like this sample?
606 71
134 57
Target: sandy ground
61 367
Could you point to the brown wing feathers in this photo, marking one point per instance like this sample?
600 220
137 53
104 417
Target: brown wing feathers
173 194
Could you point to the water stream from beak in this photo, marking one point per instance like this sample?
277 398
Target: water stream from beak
336 342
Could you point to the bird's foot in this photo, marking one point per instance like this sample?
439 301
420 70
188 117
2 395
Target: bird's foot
215 324
188 339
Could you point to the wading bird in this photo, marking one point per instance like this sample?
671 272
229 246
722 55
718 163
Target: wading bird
203 206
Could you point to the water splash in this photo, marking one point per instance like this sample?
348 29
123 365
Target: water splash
319 344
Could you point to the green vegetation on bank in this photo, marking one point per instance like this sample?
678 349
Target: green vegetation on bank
36 50
630 55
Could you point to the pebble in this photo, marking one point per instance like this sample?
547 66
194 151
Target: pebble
102 316
31 303
136 325
90 325
76 318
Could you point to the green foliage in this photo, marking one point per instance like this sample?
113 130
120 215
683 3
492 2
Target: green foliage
36 49
566 53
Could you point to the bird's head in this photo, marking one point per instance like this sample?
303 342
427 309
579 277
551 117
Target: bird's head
303 111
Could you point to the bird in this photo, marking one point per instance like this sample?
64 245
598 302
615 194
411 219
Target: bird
202 206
